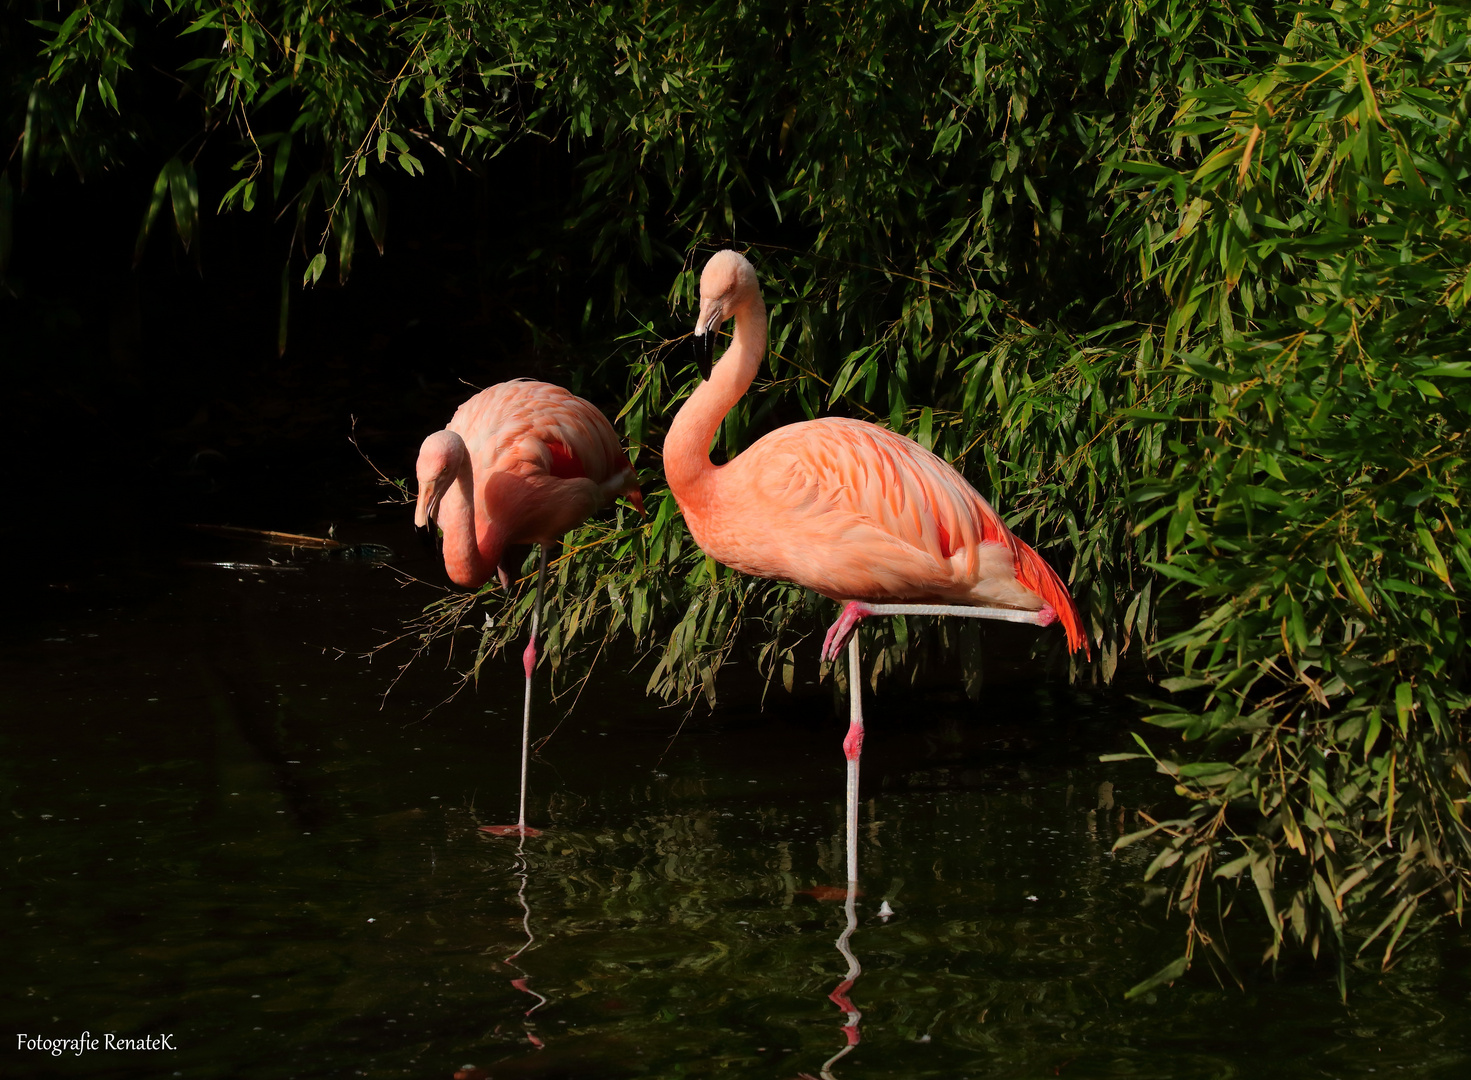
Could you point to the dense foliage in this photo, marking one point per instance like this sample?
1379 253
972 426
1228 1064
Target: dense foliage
1180 285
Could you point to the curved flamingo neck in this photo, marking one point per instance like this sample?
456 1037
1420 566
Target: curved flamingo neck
472 548
687 447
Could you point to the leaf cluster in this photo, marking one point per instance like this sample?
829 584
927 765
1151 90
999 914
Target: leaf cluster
1317 275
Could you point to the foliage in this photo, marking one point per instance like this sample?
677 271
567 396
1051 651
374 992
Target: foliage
1179 283
1317 511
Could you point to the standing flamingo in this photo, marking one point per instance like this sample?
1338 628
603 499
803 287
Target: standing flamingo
845 508
521 463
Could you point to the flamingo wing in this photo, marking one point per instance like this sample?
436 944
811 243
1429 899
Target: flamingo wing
535 428
858 512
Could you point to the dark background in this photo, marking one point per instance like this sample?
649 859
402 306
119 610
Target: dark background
142 398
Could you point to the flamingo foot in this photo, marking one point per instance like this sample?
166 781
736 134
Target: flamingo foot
1047 616
528 658
839 632
510 830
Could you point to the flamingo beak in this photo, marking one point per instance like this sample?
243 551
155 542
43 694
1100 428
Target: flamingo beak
709 321
427 508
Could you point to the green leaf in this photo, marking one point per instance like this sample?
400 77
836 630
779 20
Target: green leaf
1371 734
376 218
1220 159
1404 704
314 269
155 205
31 135
1433 556
1167 974
1457 369
1177 683
278 165
283 310
344 230
184 189
1351 582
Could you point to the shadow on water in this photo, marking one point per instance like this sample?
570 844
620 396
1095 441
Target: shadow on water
218 831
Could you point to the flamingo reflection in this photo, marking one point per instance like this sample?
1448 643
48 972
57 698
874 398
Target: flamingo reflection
839 996
510 961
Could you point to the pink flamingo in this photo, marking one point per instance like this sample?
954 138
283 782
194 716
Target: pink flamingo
845 508
521 463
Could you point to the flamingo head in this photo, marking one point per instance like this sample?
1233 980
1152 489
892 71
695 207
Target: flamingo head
440 458
727 284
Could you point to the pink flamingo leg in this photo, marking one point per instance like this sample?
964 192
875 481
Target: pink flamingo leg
853 751
856 610
528 661
845 630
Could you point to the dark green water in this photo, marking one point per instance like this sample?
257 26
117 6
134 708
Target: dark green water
218 830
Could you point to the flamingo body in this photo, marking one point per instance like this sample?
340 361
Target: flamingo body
850 510
855 512
521 462
843 507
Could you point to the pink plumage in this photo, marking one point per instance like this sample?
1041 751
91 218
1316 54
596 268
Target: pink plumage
845 508
521 462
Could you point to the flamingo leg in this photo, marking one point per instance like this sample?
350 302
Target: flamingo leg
844 630
853 751
855 610
528 660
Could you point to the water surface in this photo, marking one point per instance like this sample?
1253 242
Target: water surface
219 829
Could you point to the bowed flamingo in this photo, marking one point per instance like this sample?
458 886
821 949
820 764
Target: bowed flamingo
521 463
845 508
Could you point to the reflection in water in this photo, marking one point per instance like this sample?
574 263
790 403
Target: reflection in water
276 890
839 996
510 961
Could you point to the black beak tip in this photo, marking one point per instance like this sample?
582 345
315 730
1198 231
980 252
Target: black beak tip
705 352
